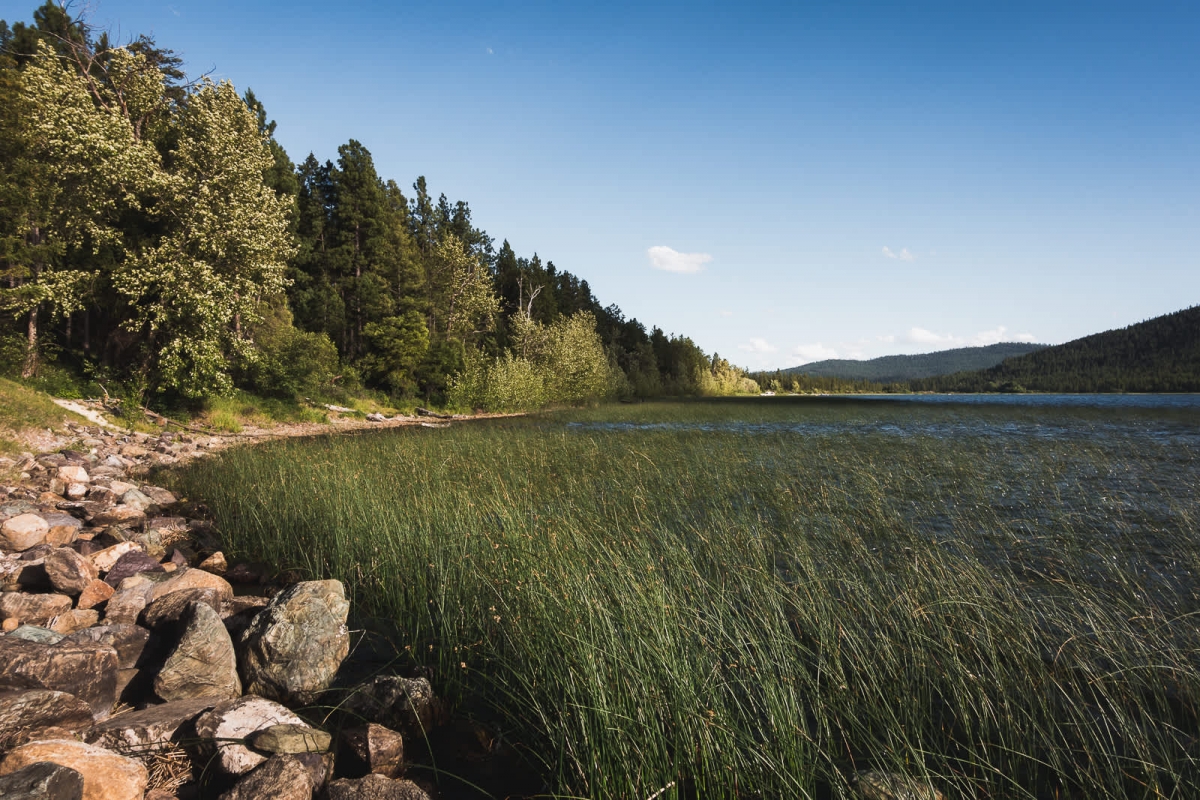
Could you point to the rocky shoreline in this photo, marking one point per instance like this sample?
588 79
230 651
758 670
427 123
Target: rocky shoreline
136 662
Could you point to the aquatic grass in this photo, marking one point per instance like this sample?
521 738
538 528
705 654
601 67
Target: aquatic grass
758 600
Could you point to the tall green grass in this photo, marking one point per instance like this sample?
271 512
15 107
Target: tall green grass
757 600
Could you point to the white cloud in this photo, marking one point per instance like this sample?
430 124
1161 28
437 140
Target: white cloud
664 258
887 251
758 345
813 352
724 313
998 334
922 336
903 255
889 338
490 51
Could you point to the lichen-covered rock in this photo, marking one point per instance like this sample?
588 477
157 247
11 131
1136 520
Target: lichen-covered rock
42 781
293 647
86 670
106 775
69 572
877 785
203 664
22 532
280 777
374 787
36 709
237 719
289 740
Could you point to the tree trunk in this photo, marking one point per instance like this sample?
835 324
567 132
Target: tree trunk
30 367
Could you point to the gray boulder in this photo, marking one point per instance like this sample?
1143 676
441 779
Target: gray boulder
203 664
294 647
375 787
279 778
88 671
150 727
236 719
405 704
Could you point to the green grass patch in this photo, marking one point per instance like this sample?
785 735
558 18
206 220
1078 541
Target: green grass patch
758 598
23 408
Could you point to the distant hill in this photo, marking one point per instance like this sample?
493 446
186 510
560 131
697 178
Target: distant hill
901 369
1158 355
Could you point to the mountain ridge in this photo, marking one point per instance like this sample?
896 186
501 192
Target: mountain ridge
904 368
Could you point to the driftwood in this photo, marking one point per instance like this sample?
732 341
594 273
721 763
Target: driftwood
425 412
159 418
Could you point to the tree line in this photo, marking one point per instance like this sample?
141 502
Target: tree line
154 233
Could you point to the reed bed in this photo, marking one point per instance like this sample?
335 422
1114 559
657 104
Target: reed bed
760 600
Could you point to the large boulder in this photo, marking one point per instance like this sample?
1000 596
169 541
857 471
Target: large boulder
279 778
37 709
23 532
171 608
203 664
151 727
237 719
106 775
42 781
135 562
69 572
293 647
86 670
33 609
184 578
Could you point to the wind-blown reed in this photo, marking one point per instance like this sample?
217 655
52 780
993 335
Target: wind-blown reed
760 598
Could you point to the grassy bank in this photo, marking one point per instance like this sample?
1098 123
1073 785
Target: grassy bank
759 598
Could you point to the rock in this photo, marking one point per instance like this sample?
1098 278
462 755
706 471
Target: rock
69 572
374 787
245 573
877 785
404 704
128 640
86 670
105 558
132 563
279 778
33 609
134 451
192 579
76 491
214 564
289 740
237 719
203 664
23 532
94 594
150 727
128 600
119 514
75 620
42 781
9 625
293 648
136 500
106 776
73 474
36 709
171 608
35 633
371 748
159 496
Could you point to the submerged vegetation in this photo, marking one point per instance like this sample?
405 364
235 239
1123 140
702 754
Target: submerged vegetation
759 598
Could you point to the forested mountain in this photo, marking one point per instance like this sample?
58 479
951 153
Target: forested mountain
1158 355
899 369
155 234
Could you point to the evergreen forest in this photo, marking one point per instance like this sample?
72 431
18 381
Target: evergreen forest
156 237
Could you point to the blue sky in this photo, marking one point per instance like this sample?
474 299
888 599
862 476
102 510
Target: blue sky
781 182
